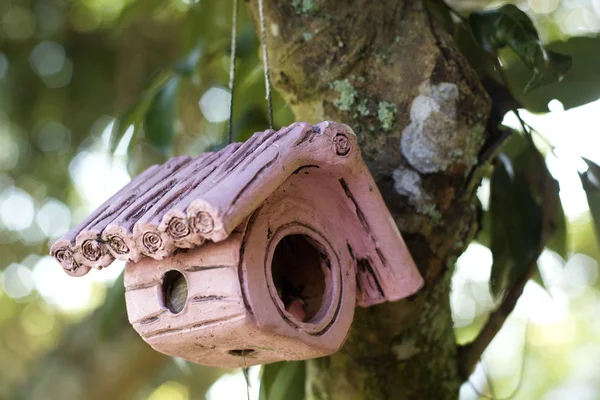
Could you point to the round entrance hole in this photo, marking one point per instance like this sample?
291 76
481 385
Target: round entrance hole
174 291
298 274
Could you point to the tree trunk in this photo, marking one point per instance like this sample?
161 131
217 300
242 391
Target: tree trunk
390 72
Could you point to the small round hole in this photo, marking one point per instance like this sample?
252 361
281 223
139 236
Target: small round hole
241 352
299 277
174 291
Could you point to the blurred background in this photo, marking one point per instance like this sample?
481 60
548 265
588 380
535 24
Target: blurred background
94 91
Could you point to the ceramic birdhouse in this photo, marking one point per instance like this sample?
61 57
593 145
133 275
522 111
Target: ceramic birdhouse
253 254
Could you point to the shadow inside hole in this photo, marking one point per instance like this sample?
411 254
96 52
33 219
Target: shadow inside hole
242 352
298 274
174 291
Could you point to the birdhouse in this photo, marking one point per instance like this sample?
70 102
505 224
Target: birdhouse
253 254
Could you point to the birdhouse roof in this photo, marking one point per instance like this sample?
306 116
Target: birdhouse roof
186 201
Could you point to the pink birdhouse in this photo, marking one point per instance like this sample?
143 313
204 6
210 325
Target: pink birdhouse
253 254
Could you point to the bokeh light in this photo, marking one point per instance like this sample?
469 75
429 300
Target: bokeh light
51 135
54 218
17 281
234 385
17 209
18 23
70 69
170 391
214 104
47 58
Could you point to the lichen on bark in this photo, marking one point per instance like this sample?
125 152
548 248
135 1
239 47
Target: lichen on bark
369 64
434 140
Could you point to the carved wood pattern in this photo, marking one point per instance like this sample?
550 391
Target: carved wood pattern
185 202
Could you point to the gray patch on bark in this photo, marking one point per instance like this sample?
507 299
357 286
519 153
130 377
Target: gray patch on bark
405 350
407 182
435 139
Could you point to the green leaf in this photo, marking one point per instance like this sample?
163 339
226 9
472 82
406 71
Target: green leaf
558 240
515 226
472 50
158 94
537 278
441 12
196 24
109 315
523 201
580 86
159 121
552 68
504 26
508 26
591 184
134 115
188 64
284 380
483 235
138 9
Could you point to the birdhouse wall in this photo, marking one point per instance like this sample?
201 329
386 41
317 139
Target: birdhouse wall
219 317
212 285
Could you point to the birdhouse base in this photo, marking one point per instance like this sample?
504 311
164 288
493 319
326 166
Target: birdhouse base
211 322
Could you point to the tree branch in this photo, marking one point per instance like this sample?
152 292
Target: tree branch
469 354
547 187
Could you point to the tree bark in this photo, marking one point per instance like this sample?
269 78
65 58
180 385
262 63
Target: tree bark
390 72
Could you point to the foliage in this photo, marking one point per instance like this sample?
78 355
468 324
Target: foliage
143 65
520 209
535 73
283 381
581 84
520 201
509 26
591 184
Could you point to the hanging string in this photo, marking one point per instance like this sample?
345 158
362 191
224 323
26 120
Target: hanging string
246 372
232 68
263 31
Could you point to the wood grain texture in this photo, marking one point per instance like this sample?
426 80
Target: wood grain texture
184 203
64 249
